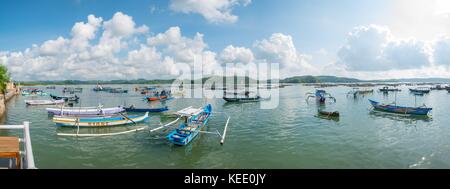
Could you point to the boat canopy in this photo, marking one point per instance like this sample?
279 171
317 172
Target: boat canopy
190 111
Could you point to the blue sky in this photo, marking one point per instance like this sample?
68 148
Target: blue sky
359 38
313 24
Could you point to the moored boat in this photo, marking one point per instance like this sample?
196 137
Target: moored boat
101 121
118 90
65 98
387 89
328 114
194 120
400 109
44 102
134 109
420 90
243 99
85 110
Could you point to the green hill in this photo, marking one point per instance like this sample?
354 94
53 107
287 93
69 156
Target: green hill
319 79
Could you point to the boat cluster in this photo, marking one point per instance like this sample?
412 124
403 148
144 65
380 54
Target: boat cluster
193 119
321 97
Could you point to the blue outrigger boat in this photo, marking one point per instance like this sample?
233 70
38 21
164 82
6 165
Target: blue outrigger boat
400 109
134 109
194 120
320 95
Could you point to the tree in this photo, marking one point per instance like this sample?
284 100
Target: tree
4 78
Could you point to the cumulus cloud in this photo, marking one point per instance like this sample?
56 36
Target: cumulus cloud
75 57
233 54
215 11
279 48
374 48
185 50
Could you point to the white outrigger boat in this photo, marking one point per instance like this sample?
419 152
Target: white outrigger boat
44 102
10 148
102 121
99 110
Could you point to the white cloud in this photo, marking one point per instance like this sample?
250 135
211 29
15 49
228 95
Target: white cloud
233 54
374 48
54 47
122 25
215 11
280 48
83 32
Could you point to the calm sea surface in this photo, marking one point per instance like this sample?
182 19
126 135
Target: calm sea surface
289 136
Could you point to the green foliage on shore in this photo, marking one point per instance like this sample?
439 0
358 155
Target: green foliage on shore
4 78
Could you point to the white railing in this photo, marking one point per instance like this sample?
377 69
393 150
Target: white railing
29 158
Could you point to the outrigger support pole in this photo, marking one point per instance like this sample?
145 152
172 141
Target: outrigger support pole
225 131
171 123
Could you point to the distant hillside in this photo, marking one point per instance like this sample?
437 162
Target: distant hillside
242 80
319 79
94 82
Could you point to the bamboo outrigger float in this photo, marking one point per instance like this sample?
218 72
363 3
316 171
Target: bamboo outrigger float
194 120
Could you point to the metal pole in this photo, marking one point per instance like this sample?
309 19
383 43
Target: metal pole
29 149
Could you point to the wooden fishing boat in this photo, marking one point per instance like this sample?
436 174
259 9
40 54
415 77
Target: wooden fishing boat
400 109
118 90
99 121
420 90
240 97
328 114
65 98
194 120
156 98
99 110
134 109
243 99
387 89
44 102
34 93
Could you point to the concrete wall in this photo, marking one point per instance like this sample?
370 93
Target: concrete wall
12 91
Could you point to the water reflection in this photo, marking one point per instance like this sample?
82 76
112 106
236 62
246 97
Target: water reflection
399 117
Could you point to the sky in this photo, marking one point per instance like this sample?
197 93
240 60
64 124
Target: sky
106 39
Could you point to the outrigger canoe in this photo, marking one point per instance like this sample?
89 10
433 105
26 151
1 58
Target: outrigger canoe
194 120
329 114
133 109
156 98
44 102
65 98
99 121
400 109
243 99
85 110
